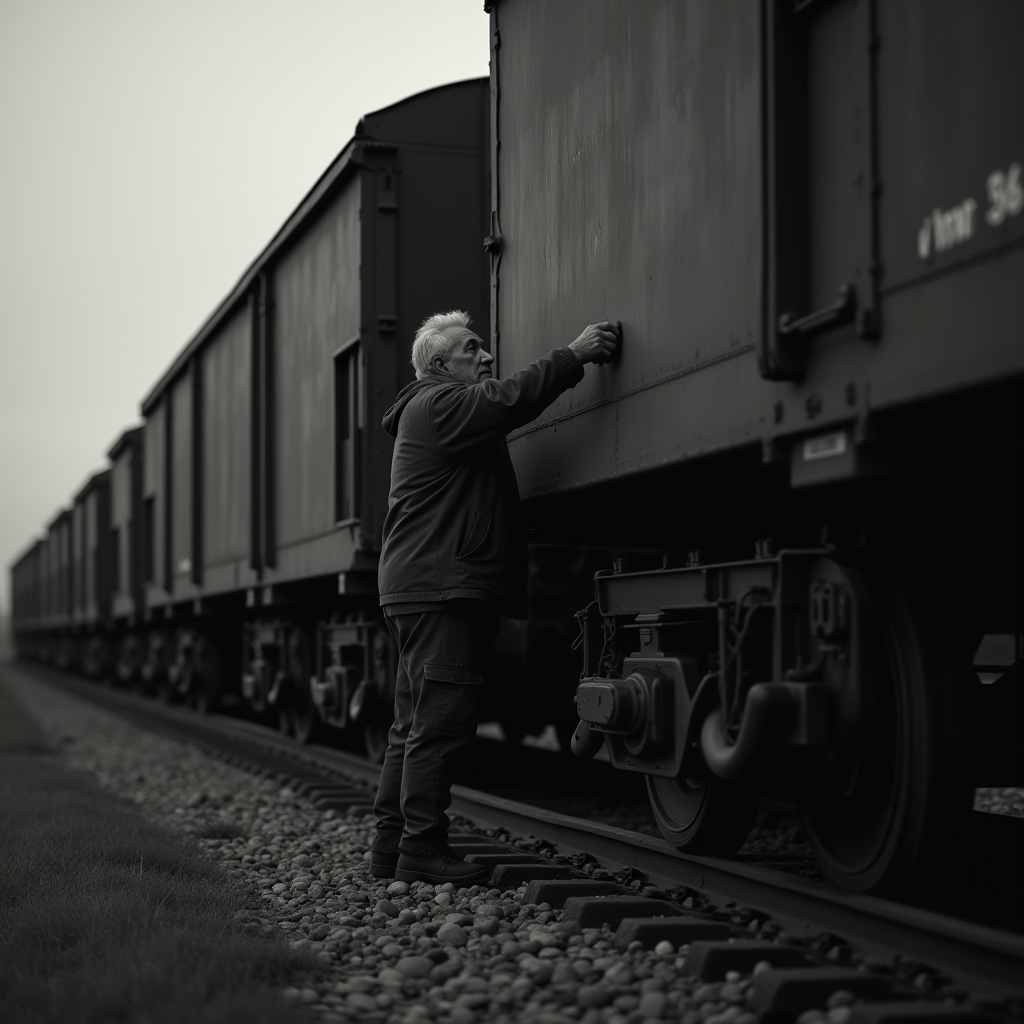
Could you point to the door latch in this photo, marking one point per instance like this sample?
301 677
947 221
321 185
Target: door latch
837 312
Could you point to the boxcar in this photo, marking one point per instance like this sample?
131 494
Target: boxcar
266 470
90 573
245 513
127 531
58 585
26 601
808 217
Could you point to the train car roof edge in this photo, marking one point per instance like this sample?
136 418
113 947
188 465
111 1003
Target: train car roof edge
338 166
64 513
309 202
26 552
123 441
95 479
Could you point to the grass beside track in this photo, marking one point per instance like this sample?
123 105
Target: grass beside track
106 917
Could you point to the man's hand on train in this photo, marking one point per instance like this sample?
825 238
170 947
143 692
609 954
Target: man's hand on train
597 344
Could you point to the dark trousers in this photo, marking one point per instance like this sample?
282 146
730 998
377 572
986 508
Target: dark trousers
442 658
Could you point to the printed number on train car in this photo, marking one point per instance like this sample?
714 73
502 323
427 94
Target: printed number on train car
941 230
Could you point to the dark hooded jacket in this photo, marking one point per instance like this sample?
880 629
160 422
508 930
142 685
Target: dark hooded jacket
454 526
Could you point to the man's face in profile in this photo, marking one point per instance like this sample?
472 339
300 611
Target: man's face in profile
468 360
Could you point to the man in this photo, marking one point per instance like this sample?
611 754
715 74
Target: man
453 561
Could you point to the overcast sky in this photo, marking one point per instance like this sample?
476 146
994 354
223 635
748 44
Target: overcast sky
148 151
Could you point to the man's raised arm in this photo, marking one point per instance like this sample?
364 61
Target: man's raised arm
464 418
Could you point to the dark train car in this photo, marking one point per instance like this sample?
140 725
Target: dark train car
42 597
46 580
127 532
169 577
58 585
91 557
23 592
245 513
808 217
266 471
27 601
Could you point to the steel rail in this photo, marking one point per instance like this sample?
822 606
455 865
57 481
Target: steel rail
978 957
975 955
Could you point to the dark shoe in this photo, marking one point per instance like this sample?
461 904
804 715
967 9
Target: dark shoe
382 864
439 867
384 853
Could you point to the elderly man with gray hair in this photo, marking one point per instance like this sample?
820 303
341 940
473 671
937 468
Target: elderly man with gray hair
453 561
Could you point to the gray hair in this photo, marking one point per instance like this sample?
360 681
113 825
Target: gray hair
431 340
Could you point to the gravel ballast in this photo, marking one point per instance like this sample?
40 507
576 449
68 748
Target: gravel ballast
389 951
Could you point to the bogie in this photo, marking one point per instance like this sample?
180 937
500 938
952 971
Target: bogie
828 687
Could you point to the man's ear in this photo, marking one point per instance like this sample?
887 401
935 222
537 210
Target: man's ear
439 365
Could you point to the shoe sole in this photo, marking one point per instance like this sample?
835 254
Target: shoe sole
406 875
382 870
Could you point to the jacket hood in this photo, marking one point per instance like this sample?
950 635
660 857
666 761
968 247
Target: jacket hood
405 396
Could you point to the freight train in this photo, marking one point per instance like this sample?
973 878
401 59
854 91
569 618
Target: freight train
808 216
787 517
229 552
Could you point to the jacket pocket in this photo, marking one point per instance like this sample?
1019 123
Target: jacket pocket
479 528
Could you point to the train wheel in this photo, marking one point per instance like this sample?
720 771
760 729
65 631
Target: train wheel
703 815
372 706
305 719
285 722
375 740
902 796
367 714
206 677
205 695
201 702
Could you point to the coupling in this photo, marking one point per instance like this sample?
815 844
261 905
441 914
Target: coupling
637 713
768 715
586 742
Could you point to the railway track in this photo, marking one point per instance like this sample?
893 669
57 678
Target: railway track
743 903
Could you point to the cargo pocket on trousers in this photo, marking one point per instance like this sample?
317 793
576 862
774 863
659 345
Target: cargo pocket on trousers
456 695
